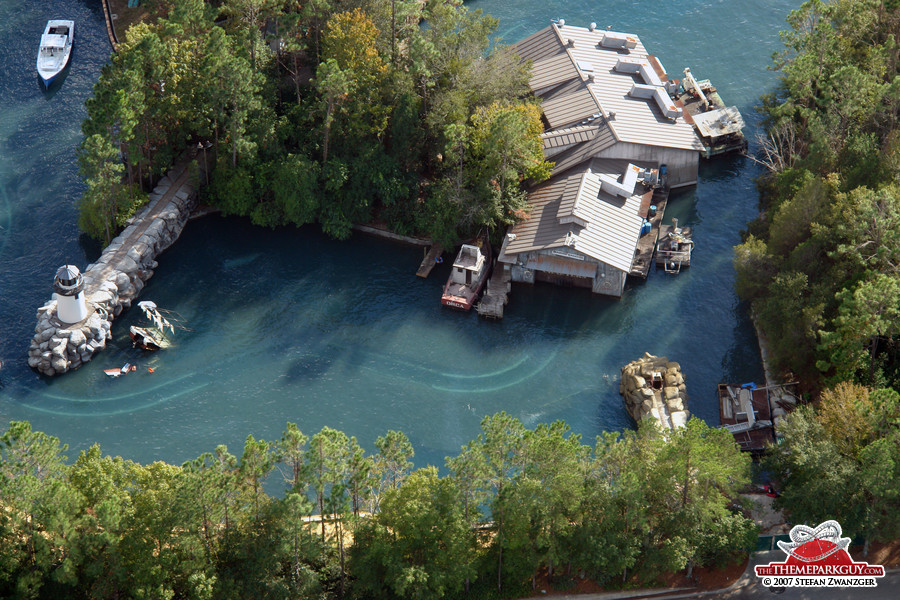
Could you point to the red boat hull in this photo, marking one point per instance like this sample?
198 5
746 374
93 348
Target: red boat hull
470 294
456 302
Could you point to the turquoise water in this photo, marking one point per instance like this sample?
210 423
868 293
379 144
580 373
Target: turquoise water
288 325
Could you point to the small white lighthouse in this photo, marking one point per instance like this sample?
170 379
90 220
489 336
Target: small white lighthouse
69 287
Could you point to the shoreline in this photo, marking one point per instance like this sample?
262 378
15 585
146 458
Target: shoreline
763 342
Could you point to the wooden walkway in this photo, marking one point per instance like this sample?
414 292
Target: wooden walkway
643 254
497 294
430 260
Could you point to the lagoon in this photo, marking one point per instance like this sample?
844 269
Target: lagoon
289 325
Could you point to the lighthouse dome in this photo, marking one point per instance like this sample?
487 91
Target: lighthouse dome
68 281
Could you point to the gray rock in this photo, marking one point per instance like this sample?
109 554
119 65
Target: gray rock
77 338
59 364
34 361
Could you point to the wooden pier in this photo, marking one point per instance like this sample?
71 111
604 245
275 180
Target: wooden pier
497 294
430 260
643 254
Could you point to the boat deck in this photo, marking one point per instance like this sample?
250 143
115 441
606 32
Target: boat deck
643 253
692 106
673 260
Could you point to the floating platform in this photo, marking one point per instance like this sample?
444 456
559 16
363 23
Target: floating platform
719 126
751 413
674 248
430 260
643 253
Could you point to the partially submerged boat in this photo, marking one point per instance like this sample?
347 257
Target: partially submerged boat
673 251
55 49
154 337
117 372
469 274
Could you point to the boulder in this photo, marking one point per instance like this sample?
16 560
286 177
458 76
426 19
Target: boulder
59 364
77 338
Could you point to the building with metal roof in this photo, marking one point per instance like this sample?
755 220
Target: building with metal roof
611 123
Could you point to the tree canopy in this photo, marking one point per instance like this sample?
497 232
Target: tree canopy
319 112
345 523
820 264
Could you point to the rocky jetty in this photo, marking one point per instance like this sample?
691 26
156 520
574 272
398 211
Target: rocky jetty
116 279
654 388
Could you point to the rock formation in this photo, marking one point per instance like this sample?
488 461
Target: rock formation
115 280
654 388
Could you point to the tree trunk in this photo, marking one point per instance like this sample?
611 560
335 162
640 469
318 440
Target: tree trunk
322 513
328 114
341 550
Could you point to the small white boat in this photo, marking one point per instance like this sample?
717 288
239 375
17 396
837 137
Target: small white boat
55 50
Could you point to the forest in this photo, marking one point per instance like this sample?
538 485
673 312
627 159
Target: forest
404 113
821 265
514 502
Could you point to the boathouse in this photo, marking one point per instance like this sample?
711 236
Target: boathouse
611 126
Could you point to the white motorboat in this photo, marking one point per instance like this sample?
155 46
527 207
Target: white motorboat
56 48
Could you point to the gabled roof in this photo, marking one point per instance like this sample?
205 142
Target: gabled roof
607 227
603 138
569 104
558 140
575 75
551 64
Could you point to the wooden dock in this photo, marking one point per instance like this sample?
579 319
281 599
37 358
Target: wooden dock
497 294
430 260
751 413
747 415
643 254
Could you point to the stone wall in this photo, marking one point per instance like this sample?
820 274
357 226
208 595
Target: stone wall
667 401
113 282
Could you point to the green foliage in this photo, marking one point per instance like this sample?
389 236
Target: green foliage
516 501
840 461
317 112
418 545
825 247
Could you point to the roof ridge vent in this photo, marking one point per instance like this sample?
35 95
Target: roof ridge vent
618 41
